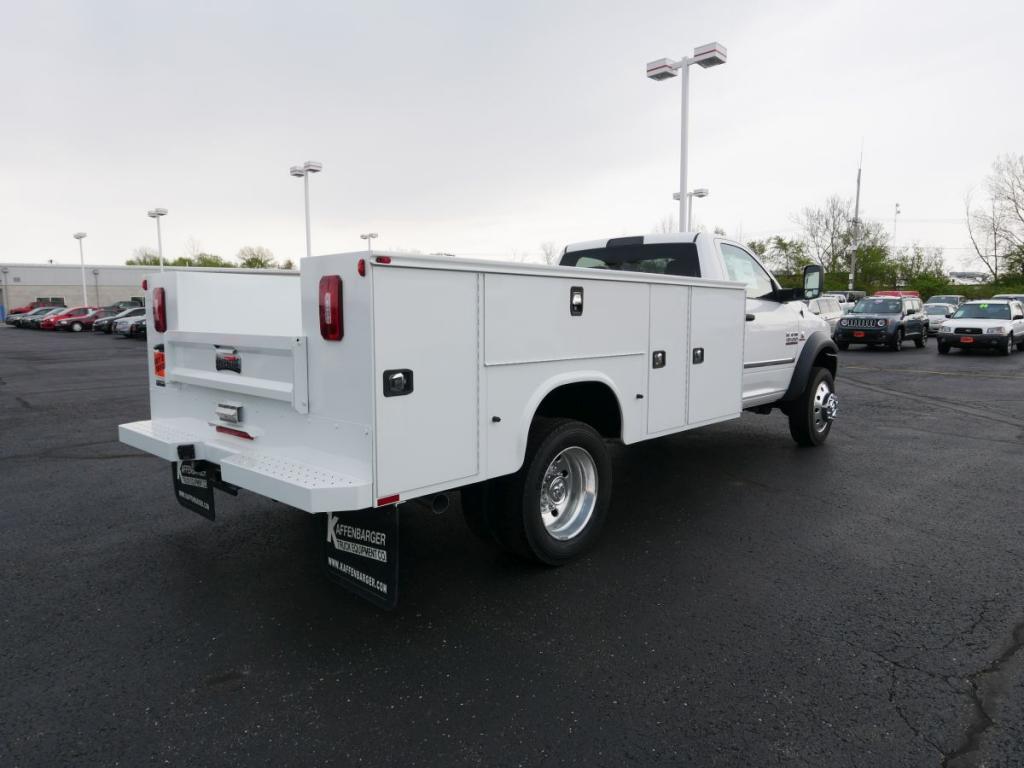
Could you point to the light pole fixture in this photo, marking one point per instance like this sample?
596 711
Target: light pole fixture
156 213
369 238
303 171
895 213
699 192
710 55
80 236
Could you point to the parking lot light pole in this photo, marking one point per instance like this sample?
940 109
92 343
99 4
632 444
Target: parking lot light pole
710 55
368 237
303 171
895 213
156 213
80 236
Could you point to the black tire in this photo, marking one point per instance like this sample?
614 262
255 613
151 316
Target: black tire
512 505
844 345
896 342
921 340
1020 347
806 412
943 348
1007 349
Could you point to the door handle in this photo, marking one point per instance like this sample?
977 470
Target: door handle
749 317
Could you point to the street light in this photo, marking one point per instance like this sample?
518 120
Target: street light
80 236
156 213
895 213
303 171
368 237
700 192
96 280
710 55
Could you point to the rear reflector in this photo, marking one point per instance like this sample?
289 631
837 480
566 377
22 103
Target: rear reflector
385 500
145 284
159 310
235 433
159 361
361 267
332 327
383 259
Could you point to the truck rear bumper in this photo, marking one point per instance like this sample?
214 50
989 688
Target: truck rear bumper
308 480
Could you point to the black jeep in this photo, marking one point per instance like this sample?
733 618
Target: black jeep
885 320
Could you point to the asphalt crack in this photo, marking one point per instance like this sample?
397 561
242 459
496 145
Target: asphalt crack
982 719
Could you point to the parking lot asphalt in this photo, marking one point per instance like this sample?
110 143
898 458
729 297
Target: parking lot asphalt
750 603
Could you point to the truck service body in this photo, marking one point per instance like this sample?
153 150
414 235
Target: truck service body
379 379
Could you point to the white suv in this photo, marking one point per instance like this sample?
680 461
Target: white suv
989 324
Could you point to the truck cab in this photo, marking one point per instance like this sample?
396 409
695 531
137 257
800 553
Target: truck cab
777 325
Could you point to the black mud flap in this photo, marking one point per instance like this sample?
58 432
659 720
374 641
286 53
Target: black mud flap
193 486
361 553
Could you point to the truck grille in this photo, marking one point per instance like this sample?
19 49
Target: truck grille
860 322
969 330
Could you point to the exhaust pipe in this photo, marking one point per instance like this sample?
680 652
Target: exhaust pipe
439 504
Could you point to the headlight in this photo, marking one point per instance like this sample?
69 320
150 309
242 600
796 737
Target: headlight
844 321
881 323
999 330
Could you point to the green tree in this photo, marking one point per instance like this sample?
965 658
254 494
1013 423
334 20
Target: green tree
255 257
145 257
209 260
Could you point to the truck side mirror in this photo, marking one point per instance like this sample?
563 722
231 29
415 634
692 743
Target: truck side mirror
813 279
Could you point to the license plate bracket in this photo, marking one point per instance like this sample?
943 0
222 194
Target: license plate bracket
193 486
361 553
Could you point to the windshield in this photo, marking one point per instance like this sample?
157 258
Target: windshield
983 312
936 309
878 307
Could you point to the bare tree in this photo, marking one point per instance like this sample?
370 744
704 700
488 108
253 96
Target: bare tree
550 252
827 232
666 226
987 226
192 248
1006 188
255 257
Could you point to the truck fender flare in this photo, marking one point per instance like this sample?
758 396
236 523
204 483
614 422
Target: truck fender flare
550 385
817 343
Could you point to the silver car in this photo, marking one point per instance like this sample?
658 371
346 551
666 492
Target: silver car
829 309
937 313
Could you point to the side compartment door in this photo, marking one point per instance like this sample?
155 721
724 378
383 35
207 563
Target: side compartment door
426 329
716 355
667 358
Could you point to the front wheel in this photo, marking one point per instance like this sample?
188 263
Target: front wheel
943 348
551 510
812 414
921 340
896 342
1007 348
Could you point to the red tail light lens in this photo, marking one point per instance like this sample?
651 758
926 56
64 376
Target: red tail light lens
145 284
159 310
159 361
361 267
332 326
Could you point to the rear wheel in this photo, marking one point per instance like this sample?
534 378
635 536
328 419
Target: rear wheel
811 416
551 510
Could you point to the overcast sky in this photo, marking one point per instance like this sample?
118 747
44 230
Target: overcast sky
487 128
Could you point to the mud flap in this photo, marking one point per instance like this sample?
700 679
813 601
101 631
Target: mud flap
361 553
193 487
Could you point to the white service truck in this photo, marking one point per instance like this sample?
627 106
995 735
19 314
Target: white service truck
369 380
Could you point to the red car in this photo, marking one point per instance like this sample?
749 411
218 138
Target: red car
33 305
83 322
73 315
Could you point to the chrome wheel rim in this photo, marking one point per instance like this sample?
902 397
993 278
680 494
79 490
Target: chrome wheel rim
568 493
825 407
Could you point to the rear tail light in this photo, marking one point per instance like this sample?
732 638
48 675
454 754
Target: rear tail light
159 310
332 326
145 284
361 267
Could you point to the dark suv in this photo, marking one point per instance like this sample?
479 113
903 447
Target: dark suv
883 320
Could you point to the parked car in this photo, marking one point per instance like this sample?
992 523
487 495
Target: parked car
79 323
17 318
121 306
988 324
886 320
828 309
1010 296
49 323
36 305
937 314
947 298
122 325
137 328
106 324
34 320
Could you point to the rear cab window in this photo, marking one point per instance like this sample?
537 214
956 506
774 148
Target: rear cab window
679 259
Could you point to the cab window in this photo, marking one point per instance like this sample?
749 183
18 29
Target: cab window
743 268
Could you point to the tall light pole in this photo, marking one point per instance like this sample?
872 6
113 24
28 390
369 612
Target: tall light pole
709 55
96 280
156 213
80 236
303 171
369 237
895 213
